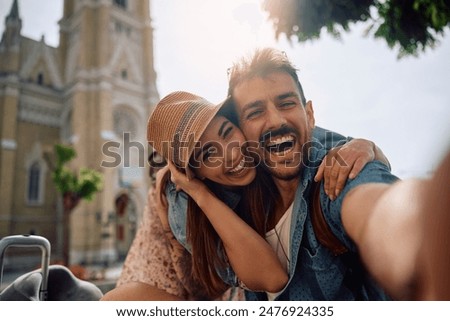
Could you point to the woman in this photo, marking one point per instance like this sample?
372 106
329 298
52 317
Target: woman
191 133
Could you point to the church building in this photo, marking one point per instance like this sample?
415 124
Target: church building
94 92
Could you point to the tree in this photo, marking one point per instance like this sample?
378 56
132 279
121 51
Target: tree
73 188
409 25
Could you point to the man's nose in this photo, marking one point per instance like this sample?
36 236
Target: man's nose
275 117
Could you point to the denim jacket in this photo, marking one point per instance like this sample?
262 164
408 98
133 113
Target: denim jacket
314 272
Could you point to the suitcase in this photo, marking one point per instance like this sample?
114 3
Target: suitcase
29 241
50 282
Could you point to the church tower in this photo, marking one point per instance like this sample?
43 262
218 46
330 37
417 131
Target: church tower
9 103
106 50
93 92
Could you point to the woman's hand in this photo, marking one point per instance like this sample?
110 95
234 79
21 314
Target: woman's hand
345 162
191 186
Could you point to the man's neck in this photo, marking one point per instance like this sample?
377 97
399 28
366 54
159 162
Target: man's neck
287 191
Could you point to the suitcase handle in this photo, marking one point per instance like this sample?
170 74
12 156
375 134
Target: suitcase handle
29 241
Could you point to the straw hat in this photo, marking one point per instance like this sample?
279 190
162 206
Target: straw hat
177 123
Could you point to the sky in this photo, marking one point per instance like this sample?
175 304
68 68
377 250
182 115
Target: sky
357 85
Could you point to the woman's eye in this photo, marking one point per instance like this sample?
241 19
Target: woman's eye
227 131
210 151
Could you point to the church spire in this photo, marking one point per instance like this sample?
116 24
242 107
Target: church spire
13 26
14 12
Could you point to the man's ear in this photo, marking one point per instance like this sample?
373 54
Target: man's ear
310 114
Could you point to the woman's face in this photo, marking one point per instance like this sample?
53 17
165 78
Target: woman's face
221 155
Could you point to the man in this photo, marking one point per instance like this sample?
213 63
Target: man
374 216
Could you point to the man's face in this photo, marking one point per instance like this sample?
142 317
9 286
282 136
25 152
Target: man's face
271 114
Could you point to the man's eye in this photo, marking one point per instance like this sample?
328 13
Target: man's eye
253 114
287 104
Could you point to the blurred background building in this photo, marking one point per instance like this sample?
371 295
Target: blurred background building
98 86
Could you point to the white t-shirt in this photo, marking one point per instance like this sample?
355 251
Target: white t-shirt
279 239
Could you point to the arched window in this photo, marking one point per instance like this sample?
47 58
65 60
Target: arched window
121 3
34 175
124 74
40 78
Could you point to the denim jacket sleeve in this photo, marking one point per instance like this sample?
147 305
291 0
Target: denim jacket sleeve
373 172
177 213
328 139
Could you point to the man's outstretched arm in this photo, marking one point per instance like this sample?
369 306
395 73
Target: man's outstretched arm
434 255
402 233
384 221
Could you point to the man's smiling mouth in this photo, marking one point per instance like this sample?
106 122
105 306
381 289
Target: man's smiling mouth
280 145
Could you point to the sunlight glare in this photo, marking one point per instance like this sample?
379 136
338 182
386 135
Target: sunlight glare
222 31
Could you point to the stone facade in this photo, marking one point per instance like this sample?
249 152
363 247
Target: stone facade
98 86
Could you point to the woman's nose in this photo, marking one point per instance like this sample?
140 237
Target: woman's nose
233 152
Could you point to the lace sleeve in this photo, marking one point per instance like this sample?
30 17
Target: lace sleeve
149 259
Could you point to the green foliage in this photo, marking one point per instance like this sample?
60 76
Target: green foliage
410 25
84 185
306 18
89 183
413 25
64 154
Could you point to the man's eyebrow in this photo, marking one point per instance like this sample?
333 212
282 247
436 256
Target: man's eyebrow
253 104
225 122
291 94
258 103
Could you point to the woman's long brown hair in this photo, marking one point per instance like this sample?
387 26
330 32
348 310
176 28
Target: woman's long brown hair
208 254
